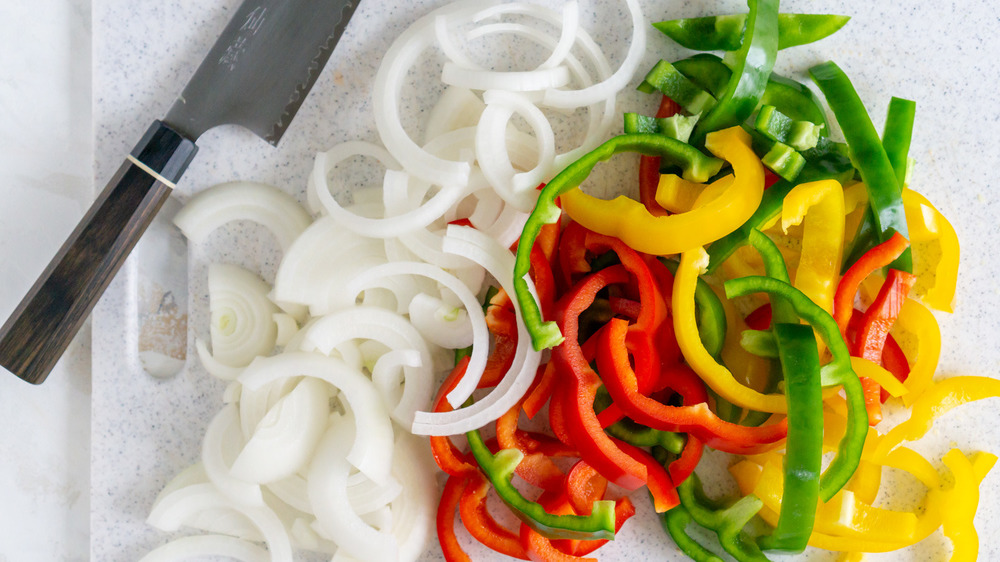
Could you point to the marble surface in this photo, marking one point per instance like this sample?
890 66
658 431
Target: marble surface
46 166
144 430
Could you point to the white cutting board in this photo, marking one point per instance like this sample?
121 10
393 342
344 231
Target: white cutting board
145 430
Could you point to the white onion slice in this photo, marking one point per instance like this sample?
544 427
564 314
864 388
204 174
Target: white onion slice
200 506
256 403
457 108
396 333
403 53
372 451
286 437
214 367
367 496
499 262
443 35
292 491
223 441
263 204
327 485
388 371
617 81
287 326
413 512
511 81
445 325
242 324
315 189
204 546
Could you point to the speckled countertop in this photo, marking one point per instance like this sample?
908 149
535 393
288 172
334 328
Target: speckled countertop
945 56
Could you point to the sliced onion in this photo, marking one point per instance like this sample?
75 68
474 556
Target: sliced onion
284 440
367 496
443 35
204 546
511 81
200 505
413 512
287 326
263 204
442 324
215 368
617 81
372 451
327 485
292 491
242 315
387 372
396 333
457 108
499 262
223 441
339 153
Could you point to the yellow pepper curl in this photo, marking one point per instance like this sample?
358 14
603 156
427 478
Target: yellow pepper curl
822 237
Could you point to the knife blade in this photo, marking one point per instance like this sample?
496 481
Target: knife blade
256 75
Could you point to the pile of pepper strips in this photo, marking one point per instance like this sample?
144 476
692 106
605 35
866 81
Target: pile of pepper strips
655 357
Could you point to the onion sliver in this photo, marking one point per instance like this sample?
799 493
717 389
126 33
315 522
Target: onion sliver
196 504
242 324
457 108
284 440
372 451
389 83
499 262
327 484
223 440
263 204
591 94
474 312
214 367
204 546
442 324
336 155
413 512
396 333
511 81
255 404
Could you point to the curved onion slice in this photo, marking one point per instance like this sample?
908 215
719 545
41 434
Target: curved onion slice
372 451
214 367
403 53
242 315
204 546
499 262
386 372
256 403
286 437
511 81
442 324
457 108
292 491
396 333
327 485
367 496
200 505
569 99
336 155
223 441
263 204
287 326
413 511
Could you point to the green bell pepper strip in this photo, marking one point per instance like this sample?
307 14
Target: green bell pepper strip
784 161
725 33
676 126
668 80
793 98
775 268
896 140
727 522
884 193
759 342
754 62
697 167
675 522
775 125
804 448
837 372
711 315
499 468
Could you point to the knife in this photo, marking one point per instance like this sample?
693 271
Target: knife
256 75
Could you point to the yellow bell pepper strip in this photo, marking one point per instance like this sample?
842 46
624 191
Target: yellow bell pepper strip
915 319
935 401
927 224
697 166
851 557
867 369
958 518
837 372
628 220
719 378
822 237
677 194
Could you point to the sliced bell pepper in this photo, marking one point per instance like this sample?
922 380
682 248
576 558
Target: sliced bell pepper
628 220
649 166
879 256
754 62
725 33
727 521
481 525
927 224
445 520
822 237
884 192
697 167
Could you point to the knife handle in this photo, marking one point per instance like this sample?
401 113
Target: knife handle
42 326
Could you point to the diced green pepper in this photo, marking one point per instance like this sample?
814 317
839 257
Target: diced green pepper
665 78
800 135
784 161
725 33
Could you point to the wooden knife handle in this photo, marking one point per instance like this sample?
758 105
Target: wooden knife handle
49 316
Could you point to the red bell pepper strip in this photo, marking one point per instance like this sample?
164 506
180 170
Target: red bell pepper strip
577 396
584 486
445 520
696 419
540 394
537 467
894 361
649 166
624 509
446 454
481 525
878 257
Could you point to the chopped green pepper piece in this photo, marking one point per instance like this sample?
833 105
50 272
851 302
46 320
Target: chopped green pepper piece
754 62
676 126
804 450
725 33
868 154
775 125
665 78
784 161
499 468
696 165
